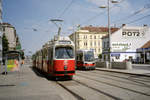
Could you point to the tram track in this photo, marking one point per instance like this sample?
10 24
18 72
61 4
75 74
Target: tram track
129 80
78 97
135 78
117 86
128 75
109 95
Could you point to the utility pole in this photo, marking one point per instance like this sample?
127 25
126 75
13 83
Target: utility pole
1 34
109 29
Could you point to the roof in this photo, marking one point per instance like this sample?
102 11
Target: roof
146 45
98 29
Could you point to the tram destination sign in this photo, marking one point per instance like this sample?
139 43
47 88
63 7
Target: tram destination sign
65 42
133 32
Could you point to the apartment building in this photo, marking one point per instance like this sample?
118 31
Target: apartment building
10 33
90 38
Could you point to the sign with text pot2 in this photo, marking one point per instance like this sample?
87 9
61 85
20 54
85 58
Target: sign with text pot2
133 33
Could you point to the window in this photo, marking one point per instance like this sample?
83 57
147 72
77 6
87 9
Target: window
94 37
85 43
85 37
95 43
98 43
104 44
64 52
90 36
108 44
99 50
91 43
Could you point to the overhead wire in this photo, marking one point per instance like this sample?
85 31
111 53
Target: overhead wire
138 19
66 8
97 15
147 6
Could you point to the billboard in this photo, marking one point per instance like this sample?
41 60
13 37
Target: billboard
134 32
120 46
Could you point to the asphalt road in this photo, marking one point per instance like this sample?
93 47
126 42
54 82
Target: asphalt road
29 84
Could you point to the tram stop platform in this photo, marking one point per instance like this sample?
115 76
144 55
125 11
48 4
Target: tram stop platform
133 71
27 85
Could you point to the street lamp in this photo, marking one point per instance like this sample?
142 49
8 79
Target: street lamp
109 30
57 20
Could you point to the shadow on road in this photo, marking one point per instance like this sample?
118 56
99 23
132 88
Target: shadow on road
48 77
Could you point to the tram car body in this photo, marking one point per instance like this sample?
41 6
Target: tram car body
85 59
56 58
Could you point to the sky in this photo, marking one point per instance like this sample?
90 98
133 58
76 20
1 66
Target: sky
31 18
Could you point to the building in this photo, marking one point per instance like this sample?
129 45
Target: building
90 38
10 33
1 33
144 53
124 42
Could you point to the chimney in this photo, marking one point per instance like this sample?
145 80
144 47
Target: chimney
145 25
123 25
90 25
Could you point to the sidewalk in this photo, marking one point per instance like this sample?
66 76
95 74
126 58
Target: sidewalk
139 72
26 85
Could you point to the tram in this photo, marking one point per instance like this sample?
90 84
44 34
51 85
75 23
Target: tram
56 58
85 59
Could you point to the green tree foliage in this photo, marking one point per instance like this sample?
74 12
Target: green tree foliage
5 44
22 54
100 56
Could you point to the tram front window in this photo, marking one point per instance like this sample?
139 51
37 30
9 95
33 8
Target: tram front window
64 53
89 56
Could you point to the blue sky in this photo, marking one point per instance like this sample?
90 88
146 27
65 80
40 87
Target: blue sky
25 15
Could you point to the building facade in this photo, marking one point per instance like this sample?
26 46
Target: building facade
90 38
124 42
10 32
144 53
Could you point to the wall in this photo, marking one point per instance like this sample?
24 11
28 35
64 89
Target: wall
10 34
126 40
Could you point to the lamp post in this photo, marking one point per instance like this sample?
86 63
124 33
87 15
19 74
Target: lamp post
109 29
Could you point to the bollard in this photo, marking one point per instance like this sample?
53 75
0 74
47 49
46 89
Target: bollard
107 64
1 69
128 65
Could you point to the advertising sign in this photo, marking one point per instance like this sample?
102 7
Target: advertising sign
133 32
12 65
120 46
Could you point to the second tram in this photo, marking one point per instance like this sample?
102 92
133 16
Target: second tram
85 59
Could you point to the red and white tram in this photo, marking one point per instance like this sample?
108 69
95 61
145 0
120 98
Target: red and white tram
85 59
56 58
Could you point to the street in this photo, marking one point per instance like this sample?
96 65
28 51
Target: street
86 85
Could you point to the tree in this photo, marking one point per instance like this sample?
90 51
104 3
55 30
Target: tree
22 55
100 56
5 44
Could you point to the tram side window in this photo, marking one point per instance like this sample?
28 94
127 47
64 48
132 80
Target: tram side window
50 53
